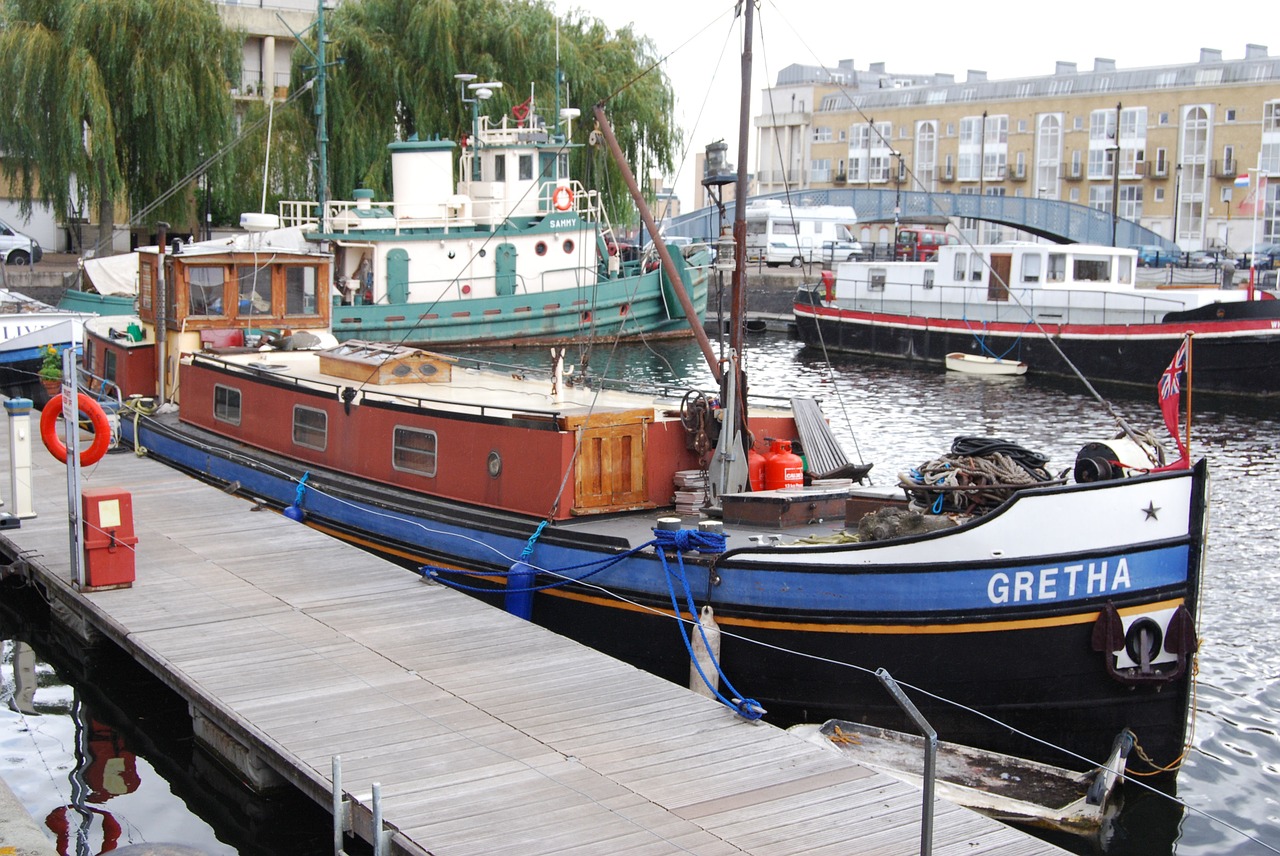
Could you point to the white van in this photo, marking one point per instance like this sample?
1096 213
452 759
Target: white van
783 235
17 248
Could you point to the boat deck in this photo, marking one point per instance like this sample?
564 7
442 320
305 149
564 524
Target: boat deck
487 734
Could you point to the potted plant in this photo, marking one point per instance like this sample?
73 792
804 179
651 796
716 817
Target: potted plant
51 369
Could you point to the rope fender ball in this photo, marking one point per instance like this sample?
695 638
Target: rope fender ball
562 199
101 430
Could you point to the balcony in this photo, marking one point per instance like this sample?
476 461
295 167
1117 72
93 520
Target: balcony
947 175
1018 173
1228 168
1072 171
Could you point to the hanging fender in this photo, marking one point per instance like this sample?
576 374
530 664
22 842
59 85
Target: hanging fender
101 430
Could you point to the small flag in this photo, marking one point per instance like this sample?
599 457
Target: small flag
1242 180
1170 390
1255 196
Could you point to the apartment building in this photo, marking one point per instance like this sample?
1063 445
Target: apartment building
269 27
1178 149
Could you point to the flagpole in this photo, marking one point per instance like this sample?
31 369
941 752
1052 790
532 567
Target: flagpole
1190 335
1253 244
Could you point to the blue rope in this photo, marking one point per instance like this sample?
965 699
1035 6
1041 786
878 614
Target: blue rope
981 339
302 489
528 547
704 542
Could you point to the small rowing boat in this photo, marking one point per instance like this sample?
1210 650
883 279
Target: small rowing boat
958 361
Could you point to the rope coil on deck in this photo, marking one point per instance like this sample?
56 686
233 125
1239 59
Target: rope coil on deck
978 475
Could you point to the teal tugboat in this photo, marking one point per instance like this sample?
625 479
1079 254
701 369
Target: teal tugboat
514 252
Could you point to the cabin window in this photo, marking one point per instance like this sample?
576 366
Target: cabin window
961 262
1092 268
255 289
310 427
975 270
1031 268
876 278
1124 269
146 284
568 245
540 248
526 167
500 167
1057 268
226 404
414 451
928 279
562 164
204 287
300 290
108 371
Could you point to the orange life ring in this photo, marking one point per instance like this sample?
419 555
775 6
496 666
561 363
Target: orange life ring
101 430
562 199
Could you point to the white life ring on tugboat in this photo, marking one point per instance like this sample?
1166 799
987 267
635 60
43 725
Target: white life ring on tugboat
562 199
101 430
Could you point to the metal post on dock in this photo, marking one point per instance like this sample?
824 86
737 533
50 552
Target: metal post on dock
341 809
21 492
930 756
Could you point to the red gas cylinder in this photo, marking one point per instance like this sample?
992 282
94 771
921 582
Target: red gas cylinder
755 468
783 469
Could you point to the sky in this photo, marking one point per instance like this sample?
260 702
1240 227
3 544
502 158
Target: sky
1005 39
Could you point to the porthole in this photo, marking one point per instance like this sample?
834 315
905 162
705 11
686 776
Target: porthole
494 464
568 245
540 248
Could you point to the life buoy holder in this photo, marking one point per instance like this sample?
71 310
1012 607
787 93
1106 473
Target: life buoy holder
101 430
562 199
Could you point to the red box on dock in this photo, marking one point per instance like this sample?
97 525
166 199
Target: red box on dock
108 538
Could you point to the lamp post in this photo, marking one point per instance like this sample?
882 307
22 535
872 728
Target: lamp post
1177 198
482 92
1115 180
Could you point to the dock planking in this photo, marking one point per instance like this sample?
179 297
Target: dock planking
487 734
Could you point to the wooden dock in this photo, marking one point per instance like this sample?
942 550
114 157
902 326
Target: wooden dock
487 734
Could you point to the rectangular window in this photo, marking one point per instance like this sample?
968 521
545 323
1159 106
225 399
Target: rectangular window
255 291
1231 114
146 284
414 451
300 290
960 271
1092 269
226 404
1271 116
500 167
928 279
310 427
1031 268
204 290
876 278
526 167
1057 268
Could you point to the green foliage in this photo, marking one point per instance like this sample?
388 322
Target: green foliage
113 99
50 363
396 79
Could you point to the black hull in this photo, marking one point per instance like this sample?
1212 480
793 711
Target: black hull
1239 364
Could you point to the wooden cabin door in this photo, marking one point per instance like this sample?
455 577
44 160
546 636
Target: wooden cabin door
610 471
998 277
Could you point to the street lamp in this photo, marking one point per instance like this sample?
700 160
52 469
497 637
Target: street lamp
481 92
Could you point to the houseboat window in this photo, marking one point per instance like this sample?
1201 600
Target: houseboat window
1124 269
1057 268
563 165
146 284
928 279
310 427
204 286
876 278
414 451
1031 267
975 269
255 289
526 167
500 167
108 371
226 404
300 290
1092 268
961 260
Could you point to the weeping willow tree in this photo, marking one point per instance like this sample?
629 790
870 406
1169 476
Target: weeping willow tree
396 79
111 100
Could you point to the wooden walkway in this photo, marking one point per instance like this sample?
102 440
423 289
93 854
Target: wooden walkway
487 734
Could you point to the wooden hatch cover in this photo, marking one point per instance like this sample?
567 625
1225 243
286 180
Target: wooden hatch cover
379 363
610 471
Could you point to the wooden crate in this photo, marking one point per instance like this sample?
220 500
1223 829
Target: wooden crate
378 364
784 508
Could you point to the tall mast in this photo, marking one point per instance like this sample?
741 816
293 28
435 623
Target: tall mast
738 305
322 133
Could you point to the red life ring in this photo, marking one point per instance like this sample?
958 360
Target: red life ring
562 199
101 430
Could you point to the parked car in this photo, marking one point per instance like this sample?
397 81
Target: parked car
1204 259
1268 255
1152 255
841 251
17 248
